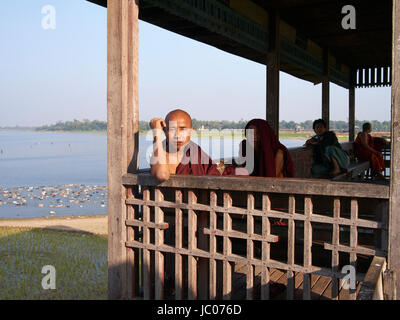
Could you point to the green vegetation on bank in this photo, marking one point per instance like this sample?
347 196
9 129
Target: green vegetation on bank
76 125
305 135
80 261
96 125
338 125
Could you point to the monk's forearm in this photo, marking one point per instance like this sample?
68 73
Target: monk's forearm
364 143
366 146
159 167
160 172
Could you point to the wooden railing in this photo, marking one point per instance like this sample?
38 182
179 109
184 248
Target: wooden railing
191 233
372 287
386 156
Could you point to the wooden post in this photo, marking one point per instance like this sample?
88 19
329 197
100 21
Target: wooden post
122 129
273 65
394 206
352 107
325 90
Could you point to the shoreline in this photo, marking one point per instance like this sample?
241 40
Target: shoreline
224 133
93 224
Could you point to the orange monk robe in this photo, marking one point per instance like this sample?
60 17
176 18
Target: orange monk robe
363 154
196 162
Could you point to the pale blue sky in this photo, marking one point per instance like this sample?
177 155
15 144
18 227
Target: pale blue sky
52 75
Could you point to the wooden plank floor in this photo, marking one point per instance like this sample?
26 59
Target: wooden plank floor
321 286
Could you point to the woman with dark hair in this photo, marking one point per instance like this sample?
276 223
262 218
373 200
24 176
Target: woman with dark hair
329 158
367 148
271 158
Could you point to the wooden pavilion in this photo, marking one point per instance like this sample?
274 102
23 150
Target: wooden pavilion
199 237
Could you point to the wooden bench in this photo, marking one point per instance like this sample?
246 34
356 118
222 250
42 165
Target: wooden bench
303 159
356 169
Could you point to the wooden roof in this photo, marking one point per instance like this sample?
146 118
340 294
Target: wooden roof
308 28
370 44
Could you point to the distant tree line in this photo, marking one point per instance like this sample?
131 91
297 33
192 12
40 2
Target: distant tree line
339 125
96 125
75 125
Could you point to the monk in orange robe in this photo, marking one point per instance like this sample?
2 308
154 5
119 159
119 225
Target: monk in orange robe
365 149
178 154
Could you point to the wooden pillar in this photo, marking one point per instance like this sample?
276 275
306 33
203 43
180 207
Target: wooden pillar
352 107
394 205
273 65
122 131
325 90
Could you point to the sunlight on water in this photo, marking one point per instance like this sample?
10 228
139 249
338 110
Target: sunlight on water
47 174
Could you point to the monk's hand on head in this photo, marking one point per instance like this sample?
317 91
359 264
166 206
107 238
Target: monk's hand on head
157 123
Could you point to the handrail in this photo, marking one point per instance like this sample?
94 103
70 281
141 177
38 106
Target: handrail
372 286
292 186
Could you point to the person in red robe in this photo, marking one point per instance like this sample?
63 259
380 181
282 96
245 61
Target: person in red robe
271 158
369 149
178 154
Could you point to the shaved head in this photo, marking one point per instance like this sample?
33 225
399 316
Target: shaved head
178 128
179 114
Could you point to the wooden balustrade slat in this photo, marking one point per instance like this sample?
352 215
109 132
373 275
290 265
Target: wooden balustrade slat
239 259
178 244
353 239
146 251
265 247
213 248
250 249
138 223
269 213
308 208
158 255
353 250
227 251
265 185
192 245
291 247
202 243
131 254
335 252
242 235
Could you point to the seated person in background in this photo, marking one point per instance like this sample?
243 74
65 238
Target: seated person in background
271 158
367 148
177 154
329 158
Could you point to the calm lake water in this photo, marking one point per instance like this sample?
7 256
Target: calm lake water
44 173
